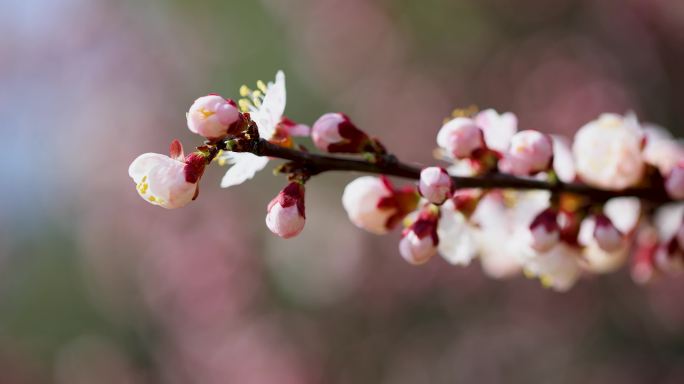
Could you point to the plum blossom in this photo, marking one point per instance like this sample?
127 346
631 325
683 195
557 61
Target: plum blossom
459 246
558 269
373 204
435 185
213 117
498 128
334 132
266 109
661 150
503 218
530 152
460 138
169 182
419 241
607 152
286 215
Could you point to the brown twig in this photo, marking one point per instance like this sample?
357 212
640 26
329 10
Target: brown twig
389 165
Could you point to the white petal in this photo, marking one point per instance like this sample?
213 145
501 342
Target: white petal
563 163
245 166
268 115
142 165
498 128
624 212
456 243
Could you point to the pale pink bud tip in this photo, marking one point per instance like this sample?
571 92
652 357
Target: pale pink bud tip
419 241
530 152
213 117
674 183
435 185
544 231
607 236
461 138
373 204
334 132
285 216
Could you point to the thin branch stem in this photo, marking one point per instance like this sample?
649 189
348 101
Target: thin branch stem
314 164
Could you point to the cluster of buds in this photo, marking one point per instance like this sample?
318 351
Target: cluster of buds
553 233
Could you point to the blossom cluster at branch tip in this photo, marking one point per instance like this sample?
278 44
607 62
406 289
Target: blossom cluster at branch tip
557 235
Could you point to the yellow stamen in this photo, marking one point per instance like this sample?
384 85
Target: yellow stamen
206 113
244 105
257 95
546 280
245 91
262 86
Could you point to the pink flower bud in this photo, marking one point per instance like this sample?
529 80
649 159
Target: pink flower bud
669 258
435 185
544 231
214 117
165 181
285 215
419 241
530 152
460 137
334 132
674 183
607 237
373 204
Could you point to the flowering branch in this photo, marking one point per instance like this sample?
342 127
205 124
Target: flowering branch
616 192
313 164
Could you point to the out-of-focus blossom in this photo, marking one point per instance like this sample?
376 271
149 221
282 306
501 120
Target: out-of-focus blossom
607 152
334 132
435 185
286 215
669 258
169 182
266 109
530 152
504 218
213 117
419 241
674 182
607 236
373 204
557 269
662 150
544 230
498 128
460 138
459 246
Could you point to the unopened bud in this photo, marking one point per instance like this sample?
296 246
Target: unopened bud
435 185
285 215
214 117
335 133
607 237
373 204
419 241
530 152
461 138
544 231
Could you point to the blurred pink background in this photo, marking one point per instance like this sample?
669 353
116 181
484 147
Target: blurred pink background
97 286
